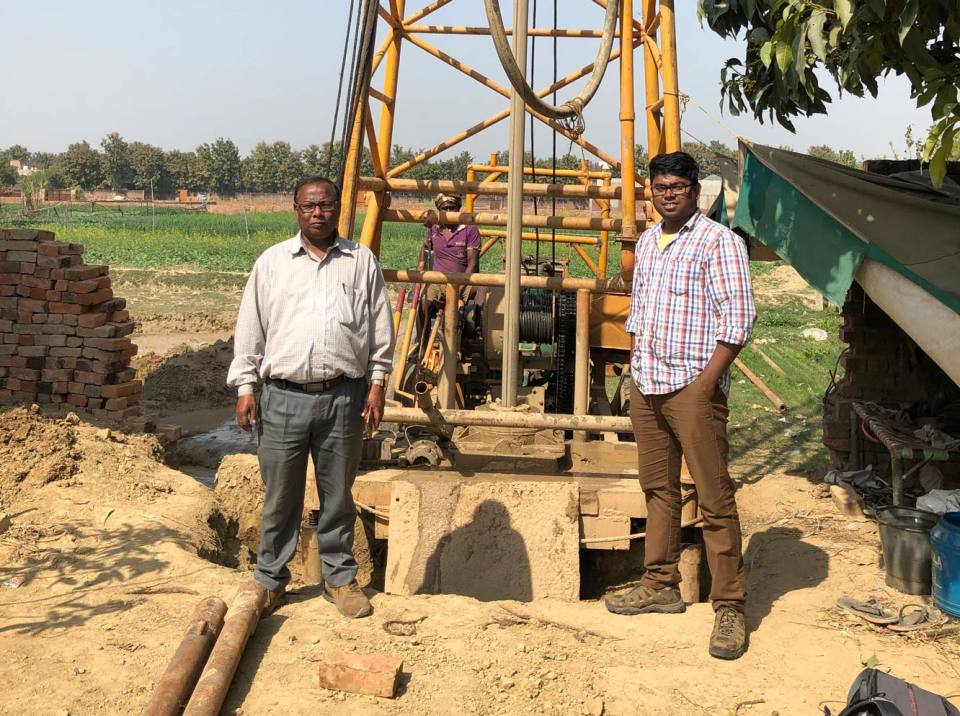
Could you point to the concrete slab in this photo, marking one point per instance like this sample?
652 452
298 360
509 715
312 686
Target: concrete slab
487 539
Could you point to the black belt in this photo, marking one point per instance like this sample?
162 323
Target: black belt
320 386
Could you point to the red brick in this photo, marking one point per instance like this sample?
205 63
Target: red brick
32 329
75 387
22 396
27 257
97 297
108 344
120 403
56 307
26 340
79 400
13 361
121 390
66 352
32 351
37 271
70 320
13 383
54 296
25 373
74 342
51 340
9 267
7 291
114 304
40 318
120 316
32 305
35 235
10 279
82 273
34 282
60 387
372 674
122 376
93 391
39 294
90 378
55 262
94 403
92 320
77 249
50 248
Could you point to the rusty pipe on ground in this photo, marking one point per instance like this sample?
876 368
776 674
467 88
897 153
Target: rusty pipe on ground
507 419
239 625
174 688
753 378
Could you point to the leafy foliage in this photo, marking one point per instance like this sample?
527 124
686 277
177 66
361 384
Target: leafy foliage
856 42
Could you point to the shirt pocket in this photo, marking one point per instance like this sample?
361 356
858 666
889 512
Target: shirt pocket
684 277
349 307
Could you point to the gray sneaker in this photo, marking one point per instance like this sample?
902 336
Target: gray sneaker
646 600
729 637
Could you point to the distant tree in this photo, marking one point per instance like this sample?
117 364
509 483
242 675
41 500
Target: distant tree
115 160
274 167
42 160
709 156
220 166
8 175
843 156
856 43
182 171
14 151
147 167
80 167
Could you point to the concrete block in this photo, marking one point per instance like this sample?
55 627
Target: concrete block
371 674
496 537
597 528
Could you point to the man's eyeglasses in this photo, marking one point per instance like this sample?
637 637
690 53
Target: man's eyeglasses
325 206
661 189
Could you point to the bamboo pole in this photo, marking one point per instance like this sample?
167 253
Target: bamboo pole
767 359
507 419
549 283
175 686
239 625
454 218
398 310
753 378
400 358
581 375
446 389
471 188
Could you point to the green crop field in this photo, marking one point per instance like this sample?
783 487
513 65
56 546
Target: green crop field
139 237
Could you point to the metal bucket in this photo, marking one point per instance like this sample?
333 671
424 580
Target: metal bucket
907 557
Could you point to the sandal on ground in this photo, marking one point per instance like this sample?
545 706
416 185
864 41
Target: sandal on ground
868 610
916 616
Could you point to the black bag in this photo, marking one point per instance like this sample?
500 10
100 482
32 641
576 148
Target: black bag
875 693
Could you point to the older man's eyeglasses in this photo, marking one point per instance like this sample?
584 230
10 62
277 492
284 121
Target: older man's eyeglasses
661 189
324 206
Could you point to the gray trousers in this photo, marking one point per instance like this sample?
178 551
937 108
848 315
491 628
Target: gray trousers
328 426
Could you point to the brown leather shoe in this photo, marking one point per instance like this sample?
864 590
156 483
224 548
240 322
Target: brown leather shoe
275 600
729 638
646 600
350 600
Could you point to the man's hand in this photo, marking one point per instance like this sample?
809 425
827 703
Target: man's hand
246 412
708 385
373 411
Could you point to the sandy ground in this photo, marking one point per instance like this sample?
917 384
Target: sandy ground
115 548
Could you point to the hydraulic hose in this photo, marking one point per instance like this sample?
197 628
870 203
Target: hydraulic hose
571 111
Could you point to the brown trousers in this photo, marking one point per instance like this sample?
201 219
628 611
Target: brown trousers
687 422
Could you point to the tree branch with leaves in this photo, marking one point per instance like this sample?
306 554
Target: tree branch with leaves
856 42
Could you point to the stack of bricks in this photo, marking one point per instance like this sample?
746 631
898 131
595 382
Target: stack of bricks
65 338
882 365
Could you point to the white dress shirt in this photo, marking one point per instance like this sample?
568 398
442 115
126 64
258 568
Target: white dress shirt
305 320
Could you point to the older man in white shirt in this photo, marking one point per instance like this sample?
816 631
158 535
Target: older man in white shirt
315 330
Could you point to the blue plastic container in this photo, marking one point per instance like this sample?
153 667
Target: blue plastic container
945 541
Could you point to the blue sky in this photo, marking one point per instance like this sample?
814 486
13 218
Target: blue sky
179 73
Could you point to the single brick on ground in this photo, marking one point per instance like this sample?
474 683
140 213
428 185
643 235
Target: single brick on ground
371 674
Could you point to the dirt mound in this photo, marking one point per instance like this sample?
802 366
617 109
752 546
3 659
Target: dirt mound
185 322
239 492
185 376
34 451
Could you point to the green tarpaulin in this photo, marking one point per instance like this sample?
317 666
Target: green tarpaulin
824 219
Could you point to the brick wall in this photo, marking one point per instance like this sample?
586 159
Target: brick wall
881 364
64 337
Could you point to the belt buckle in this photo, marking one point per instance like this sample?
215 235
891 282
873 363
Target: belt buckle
317 387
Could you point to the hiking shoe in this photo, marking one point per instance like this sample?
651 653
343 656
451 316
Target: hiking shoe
274 600
350 600
646 600
729 638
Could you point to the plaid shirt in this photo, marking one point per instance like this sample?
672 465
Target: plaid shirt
686 300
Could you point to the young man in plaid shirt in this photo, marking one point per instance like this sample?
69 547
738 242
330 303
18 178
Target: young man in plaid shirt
691 312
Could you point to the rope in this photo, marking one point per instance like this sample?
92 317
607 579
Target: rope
635 535
570 113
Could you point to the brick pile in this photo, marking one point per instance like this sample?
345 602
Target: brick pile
65 337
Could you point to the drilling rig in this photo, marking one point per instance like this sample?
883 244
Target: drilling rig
513 385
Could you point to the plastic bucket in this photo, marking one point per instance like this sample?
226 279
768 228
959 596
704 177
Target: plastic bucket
945 540
907 557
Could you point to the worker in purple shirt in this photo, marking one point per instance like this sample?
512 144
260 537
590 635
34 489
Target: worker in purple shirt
449 248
